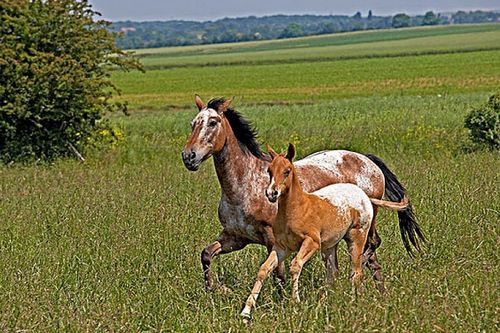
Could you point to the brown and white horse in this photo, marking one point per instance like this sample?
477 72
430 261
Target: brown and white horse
247 216
310 222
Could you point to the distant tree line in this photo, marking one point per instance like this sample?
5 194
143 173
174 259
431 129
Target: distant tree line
176 33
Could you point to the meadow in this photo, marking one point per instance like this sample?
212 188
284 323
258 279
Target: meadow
307 70
113 244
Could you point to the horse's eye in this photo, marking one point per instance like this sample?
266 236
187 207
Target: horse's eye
286 173
212 123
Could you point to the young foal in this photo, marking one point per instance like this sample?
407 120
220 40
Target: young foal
308 223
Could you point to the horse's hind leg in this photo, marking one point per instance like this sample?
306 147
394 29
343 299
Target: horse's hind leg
331 264
224 244
370 257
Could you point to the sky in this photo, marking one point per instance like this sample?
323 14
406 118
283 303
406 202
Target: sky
203 10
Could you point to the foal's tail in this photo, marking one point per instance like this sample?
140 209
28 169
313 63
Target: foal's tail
395 191
399 206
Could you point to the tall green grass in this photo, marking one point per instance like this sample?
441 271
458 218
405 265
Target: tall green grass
114 244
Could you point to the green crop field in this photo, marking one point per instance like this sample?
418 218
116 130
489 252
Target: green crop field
417 61
113 244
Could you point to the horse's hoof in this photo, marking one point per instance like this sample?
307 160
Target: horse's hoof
381 288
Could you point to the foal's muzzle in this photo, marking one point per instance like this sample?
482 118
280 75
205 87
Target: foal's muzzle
272 195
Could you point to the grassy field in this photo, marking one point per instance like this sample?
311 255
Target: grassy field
417 61
114 244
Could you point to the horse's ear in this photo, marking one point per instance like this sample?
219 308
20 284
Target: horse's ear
224 106
290 154
199 102
271 152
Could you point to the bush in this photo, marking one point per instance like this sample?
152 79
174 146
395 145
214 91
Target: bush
55 63
484 123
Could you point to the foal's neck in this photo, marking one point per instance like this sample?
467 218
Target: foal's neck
292 199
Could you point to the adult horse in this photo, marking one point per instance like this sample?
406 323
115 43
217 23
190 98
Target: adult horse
245 213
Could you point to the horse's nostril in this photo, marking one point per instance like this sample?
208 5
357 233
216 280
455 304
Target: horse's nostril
192 155
275 193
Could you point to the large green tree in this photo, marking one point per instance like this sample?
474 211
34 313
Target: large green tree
401 21
55 63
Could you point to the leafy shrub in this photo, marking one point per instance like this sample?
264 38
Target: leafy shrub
484 123
55 63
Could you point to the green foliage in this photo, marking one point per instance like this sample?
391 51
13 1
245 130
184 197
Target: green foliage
401 21
55 63
430 18
484 123
292 30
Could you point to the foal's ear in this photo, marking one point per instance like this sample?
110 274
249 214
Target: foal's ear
271 152
224 106
199 102
290 154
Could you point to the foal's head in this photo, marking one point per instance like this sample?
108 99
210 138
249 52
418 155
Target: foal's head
207 136
280 173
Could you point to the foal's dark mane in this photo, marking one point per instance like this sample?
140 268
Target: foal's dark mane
243 130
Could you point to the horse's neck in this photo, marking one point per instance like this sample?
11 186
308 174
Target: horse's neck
290 203
240 173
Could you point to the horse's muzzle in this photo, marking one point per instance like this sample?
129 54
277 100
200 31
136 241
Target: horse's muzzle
190 161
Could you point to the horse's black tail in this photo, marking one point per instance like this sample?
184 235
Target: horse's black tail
395 191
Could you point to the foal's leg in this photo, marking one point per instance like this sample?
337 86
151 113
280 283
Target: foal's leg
356 242
331 264
269 241
224 244
307 249
369 255
275 257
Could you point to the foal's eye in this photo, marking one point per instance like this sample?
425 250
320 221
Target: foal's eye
212 123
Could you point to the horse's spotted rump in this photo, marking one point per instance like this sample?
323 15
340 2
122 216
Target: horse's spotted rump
340 166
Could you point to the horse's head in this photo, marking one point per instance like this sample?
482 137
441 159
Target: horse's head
280 171
208 133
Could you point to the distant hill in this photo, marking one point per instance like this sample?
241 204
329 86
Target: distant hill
136 35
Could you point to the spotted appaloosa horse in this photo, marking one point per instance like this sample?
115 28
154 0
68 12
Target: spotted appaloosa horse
310 222
247 216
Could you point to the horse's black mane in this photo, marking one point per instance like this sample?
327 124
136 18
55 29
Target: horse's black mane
242 128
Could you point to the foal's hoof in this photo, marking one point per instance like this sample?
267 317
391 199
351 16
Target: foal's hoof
247 318
224 290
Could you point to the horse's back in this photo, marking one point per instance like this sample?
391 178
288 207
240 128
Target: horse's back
340 166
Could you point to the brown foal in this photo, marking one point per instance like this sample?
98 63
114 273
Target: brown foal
314 222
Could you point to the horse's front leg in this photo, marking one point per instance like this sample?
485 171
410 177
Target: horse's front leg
225 243
276 256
